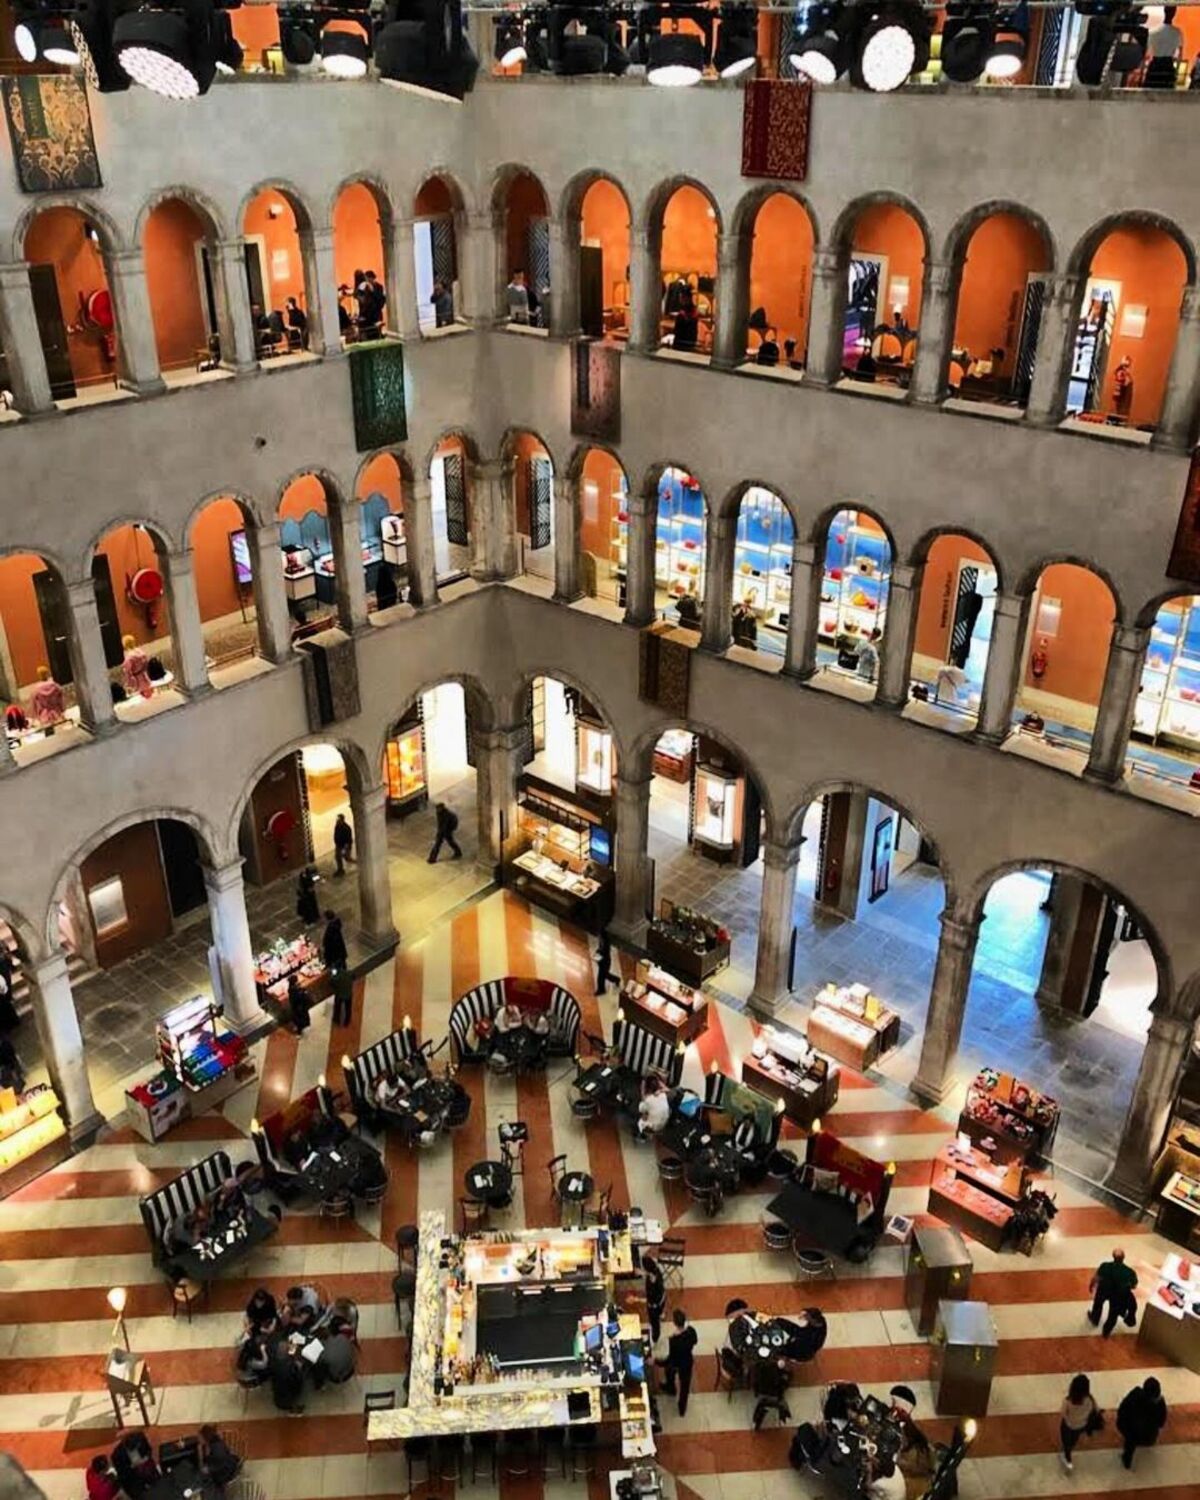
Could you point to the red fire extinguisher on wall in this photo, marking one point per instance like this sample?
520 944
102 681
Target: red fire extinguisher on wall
833 877
1039 660
279 827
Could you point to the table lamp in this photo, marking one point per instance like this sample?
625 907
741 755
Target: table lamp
116 1300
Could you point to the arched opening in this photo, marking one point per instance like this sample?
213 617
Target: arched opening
999 310
604 261
533 494
1128 320
306 539
688 268
762 571
226 585
854 596
380 489
883 301
435 249
1060 997
1166 714
604 525
360 219
36 657
525 212
681 523
178 244
1071 619
129 579
450 496
276 274
66 253
780 282
955 610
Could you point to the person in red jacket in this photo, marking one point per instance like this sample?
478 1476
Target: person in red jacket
102 1483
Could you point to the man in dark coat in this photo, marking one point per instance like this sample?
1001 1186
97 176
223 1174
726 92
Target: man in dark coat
307 907
1141 1416
343 844
446 824
681 1357
333 943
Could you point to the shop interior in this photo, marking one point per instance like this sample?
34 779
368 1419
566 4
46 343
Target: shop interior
307 543
604 525
854 593
1068 635
360 221
276 273
780 282
450 496
999 311
526 211
688 268
178 244
954 623
679 545
73 303
604 262
533 494
883 305
435 251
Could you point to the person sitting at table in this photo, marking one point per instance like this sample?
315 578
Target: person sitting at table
509 1017
842 1400
102 1482
904 1403
287 1378
389 1090
655 1109
302 1308
253 1361
342 1317
217 1458
369 1174
133 1459
336 1363
261 1312
810 1330
228 1202
769 1384
886 1481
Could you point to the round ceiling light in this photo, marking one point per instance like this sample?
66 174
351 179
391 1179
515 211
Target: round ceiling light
1006 56
887 52
27 41
674 60
153 48
344 54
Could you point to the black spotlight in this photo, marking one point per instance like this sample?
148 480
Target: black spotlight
229 49
510 41
27 32
893 44
421 46
58 45
675 59
737 41
575 36
966 40
170 51
1010 43
345 54
618 59
822 46
297 36
1115 40
91 27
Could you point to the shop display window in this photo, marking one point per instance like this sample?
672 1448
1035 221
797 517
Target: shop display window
854 589
679 539
594 758
716 808
554 839
406 765
762 560
1168 703
107 902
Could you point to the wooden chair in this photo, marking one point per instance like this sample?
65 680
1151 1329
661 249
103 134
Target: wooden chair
185 1293
340 1206
557 1168
599 1214
731 1373
473 1214
512 1150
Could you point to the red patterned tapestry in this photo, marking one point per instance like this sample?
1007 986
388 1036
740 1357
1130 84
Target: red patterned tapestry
1185 554
775 117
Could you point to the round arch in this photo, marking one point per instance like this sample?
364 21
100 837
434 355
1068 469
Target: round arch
659 197
842 237
957 243
919 555
502 181
1027 582
159 535
291 195
459 202
112 240
478 699
820 528
512 435
746 211
353 756
1084 252
575 464
249 507
334 494
374 185
654 472
731 501
511 700
1145 617
641 759
399 457
30 948
570 203
447 434
200 204
53 560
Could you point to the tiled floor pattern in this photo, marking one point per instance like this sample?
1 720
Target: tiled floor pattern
71 1235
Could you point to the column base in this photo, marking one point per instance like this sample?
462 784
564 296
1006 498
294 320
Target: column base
629 935
144 387
1170 442
637 621
1134 1186
764 1005
235 368
390 938
1104 778
568 598
104 729
247 1026
990 737
929 1093
799 674
83 1132
201 690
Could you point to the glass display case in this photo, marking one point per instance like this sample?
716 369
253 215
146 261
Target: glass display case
190 1045
393 546
679 538
716 809
404 765
1168 703
854 586
673 755
762 559
593 757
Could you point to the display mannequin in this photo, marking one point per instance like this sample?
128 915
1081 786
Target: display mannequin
47 702
135 669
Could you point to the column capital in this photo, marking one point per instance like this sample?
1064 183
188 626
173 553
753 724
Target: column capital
226 877
505 737
629 785
14 273
319 236
419 488
81 594
482 221
125 262
1171 1030
940 276
722 527
48 970
1063 290
781 856
639 239
903 577
1131 638
959 930
373 799
729 249
1189 305
804 554
641 505
826 262
1009 604
266 534
182 561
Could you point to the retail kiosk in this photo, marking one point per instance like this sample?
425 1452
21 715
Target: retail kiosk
203 1064
853 1025
1012 1118
661 1004
404 760
785 1068
275 966
562 853
687 943
976 1194
1171 1317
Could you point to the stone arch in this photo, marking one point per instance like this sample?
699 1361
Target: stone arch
458 197
1027 581
957 242
479 701
573 473
842 235
820 527
570 203
730 503
53 560
357 765
655 206
158 533
1144 618
30 947
402 461
470 447
745 213
1187 1000
512 699
112 241
291 194
377 188
640 760
654 472
508 441
199 202
919 555
249 507
1082 255
334 494
502 180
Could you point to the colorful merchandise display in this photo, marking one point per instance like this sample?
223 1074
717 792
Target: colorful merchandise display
191 1047
276 965
28 1123
762 559
1168 702
854 587
1008 1116
679 539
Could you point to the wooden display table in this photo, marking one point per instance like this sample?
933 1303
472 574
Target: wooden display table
938 1270
1170 1322
807 1095
692 965
1004 1181
964 1359
850 1024
971 1209
1001 1108
660 1004
1178 1216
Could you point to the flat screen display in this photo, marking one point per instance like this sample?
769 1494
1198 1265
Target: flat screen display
239 546
600 845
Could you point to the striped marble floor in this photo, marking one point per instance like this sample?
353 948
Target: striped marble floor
68 1237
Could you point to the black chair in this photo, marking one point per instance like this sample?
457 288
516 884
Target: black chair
557 1168
579 1445
447 1459
514 1454
731 1373
670 1256
583 1108
459 1110
407 1237
418 1450
481 1450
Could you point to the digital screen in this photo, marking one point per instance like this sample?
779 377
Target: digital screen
635 1365
600 845
593 1338
239 546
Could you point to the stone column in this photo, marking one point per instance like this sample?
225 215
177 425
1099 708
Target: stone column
57 1023
939 301
7 762
270 596
499 760
1180 416
718 583
403 313
369 811
137 351
1069 962
568 540
27 377
904 592
232 295
187 632
733 300
775 925
349 578
231 939
1052 361
93 692
947 1005
1003 668
826 319
480 271
634 868
645 293
800 659
419 544
1150 1109
320 291
640 608
493 522
564 279
1118 697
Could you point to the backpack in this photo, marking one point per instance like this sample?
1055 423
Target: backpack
451 820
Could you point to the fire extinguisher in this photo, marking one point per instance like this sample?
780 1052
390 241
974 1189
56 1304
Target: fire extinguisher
1039 660
279 826
833 877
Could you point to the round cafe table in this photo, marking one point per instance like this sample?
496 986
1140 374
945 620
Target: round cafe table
574 1191
753 1338
488 1182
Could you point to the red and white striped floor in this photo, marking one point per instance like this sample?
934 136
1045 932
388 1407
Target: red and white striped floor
70 1236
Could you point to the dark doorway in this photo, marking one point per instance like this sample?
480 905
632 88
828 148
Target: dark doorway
47 309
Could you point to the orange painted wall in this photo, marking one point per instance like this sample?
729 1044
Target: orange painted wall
602 470
216 588
56 238
256 27
885 229
302 495
279 234
524 447
781 268
1000 256
433 198
525 201
689 238
935 609
606 220
173 231
128 549
1152 271
357 239
382 477
22 623
1079 652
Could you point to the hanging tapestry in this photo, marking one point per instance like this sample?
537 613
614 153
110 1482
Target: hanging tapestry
456 499
596 391
775 121
377 389
51 129
541 500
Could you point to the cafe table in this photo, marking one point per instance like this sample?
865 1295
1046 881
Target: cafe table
328 1171
182 1482
488 1182
575 1189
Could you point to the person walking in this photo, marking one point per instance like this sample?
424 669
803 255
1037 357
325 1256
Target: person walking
604 971
446 824
656 1295
343 997
298 1004
343 844
1078 1417
333 943
308 908
681 1357
1113 1284
1141 1416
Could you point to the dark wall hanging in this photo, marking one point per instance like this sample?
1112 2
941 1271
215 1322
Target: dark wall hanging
377 390
596 392
50 126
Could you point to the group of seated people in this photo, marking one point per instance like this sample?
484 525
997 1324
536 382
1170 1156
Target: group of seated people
275 1336
881 1478
517 1036
222 1210
768 1380
132 1469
